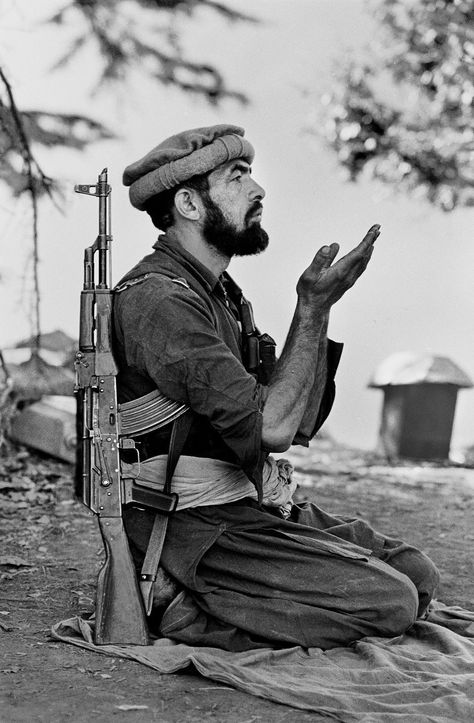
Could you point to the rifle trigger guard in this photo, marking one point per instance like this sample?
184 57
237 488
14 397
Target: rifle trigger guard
123 445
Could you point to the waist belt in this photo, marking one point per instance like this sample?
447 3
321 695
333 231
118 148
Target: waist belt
200 481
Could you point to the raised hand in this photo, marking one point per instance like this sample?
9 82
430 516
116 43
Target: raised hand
324 282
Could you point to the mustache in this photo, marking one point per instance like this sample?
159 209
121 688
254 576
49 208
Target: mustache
257 206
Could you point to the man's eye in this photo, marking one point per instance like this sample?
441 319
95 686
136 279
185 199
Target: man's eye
237 177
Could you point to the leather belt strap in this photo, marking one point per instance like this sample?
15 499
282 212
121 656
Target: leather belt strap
149 569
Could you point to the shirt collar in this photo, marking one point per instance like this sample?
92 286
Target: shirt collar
173 246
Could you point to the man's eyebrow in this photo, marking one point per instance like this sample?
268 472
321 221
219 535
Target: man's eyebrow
240 166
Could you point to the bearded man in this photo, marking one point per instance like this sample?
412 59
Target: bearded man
252 568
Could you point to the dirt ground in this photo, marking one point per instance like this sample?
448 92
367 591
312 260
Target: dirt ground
50 553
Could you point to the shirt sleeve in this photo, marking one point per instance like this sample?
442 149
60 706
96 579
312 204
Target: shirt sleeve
316 414
168 332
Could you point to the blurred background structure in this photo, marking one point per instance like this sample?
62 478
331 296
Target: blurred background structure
361 111
420 395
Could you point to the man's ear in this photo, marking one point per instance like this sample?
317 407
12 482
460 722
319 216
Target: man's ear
187 204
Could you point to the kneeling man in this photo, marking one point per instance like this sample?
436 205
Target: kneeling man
253 569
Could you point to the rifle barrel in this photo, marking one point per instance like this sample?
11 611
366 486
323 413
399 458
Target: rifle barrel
103 192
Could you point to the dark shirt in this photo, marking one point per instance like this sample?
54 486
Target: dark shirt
175 331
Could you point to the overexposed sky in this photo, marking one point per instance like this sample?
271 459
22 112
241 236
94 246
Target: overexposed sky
417 293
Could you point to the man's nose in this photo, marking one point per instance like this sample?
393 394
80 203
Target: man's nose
257 192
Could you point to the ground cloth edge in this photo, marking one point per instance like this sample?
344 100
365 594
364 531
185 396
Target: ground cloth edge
427 674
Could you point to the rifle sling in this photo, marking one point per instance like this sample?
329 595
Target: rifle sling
149 569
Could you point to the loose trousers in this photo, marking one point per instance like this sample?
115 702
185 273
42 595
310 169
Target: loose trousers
251 579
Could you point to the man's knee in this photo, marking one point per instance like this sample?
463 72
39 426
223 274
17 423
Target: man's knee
401 608
420 570
425 576
394 603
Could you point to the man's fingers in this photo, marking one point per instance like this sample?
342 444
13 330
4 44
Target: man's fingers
326 255
318 266
367 242
347 269
370 237
358 269
361 250
372 234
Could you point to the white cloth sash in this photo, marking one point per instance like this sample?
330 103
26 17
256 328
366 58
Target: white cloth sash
200 481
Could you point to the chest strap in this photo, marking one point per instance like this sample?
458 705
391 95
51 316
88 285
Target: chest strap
149 569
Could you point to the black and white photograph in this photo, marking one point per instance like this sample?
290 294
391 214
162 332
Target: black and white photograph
237 361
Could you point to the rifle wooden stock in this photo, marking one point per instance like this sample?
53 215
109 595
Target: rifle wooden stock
120 616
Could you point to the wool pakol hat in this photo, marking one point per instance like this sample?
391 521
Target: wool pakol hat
182 156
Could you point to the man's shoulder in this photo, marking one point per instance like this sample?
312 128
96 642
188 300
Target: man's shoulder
165 269
160 279
154 263
160 293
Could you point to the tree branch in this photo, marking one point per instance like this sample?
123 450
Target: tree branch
29 162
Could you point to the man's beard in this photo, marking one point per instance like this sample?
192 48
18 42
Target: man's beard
223 236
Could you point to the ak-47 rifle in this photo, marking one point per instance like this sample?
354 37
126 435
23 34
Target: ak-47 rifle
104 428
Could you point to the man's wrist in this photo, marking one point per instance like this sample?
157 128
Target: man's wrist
316 319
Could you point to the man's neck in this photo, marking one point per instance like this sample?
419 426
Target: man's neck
194 244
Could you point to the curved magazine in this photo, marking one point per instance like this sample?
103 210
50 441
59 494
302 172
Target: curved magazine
148 413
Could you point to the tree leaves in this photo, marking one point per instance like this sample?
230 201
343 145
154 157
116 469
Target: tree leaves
141 34
405 113
65 129
46 129
128 34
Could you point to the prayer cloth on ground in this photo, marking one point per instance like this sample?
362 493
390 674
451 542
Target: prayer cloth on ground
425 675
